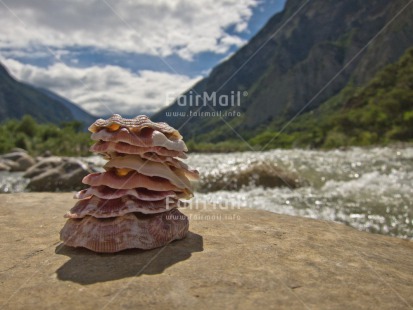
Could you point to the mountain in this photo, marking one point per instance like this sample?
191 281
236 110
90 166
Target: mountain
302 57
18 99
379 112
77 112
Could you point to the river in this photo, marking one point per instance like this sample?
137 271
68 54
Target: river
367 188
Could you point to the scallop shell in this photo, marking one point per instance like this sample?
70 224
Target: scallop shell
133 230
104 208
150 168
129 181
139 122
149 138
192 174
106 147
106 192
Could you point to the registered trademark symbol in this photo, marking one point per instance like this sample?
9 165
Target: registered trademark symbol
245 93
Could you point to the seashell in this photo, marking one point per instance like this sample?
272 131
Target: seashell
138 123
106 192
133 230
129 181
191 174
106 147
150 168
149 138
104 208
133 204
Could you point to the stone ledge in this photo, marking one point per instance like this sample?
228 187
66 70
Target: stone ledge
230 259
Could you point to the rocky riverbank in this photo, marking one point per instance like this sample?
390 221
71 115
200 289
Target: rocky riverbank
46 173
241 258
59 174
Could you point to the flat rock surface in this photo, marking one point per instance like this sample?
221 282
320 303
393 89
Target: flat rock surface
232 259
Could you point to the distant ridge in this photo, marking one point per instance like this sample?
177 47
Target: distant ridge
77 112
18 99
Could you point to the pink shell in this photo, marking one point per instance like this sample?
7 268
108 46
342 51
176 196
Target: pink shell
106 192
106 147
133 230
148 138
129 181
104 208
139 122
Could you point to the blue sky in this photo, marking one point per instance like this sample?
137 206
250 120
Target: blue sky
124 56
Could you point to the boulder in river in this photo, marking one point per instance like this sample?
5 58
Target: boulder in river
18 161
43 165
4 167
267 175
5 164
54 174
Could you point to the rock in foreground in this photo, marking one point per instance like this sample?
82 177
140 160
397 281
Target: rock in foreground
230 259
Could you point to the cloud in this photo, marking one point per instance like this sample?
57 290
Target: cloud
155 27
76 31
105 90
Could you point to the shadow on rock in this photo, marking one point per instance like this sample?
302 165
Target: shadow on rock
87 267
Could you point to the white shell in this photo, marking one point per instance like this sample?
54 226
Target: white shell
129 181
150 168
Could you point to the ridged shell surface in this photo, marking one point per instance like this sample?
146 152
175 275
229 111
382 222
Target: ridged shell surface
147 139
151 169
133 230
106 192
138 122
170 161
106 147
104 208
129 181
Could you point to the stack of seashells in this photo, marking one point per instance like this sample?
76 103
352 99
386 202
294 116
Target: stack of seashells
133 204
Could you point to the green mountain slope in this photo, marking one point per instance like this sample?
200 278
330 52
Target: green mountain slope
378 113
18 99
289 61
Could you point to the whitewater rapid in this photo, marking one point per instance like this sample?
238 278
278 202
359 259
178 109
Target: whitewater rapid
367 188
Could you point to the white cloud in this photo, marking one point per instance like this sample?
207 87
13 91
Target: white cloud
156 27
105 90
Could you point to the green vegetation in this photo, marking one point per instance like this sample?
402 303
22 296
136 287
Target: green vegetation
377 114
68 139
